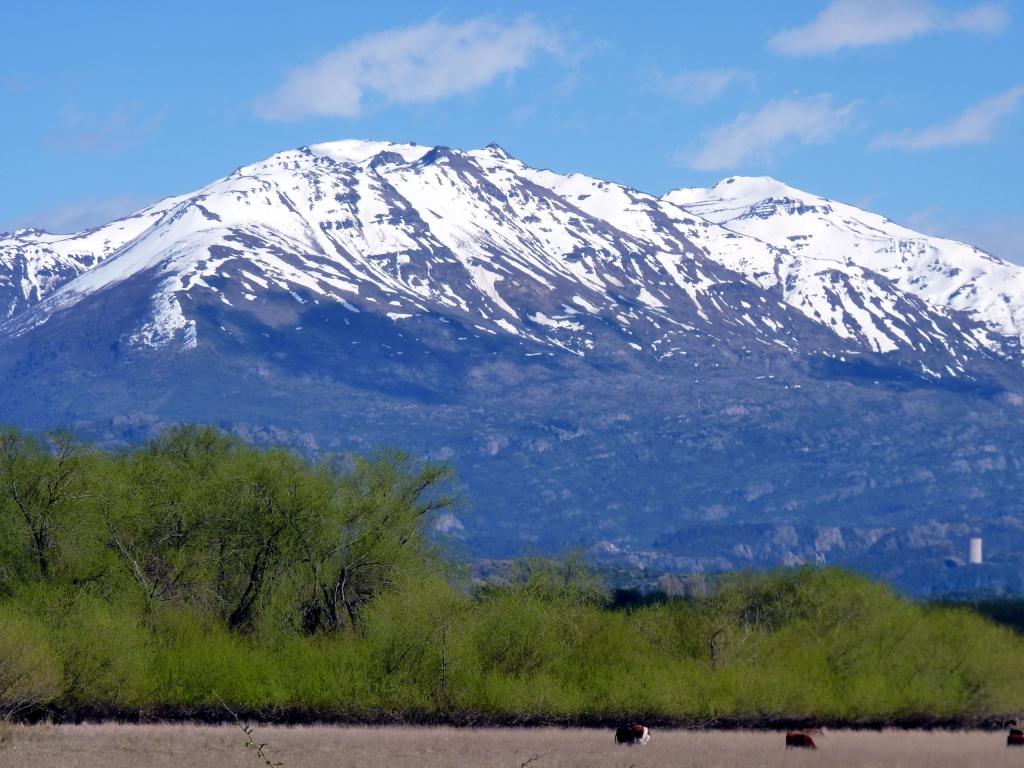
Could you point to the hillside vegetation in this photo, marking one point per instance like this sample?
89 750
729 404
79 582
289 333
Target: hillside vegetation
197 571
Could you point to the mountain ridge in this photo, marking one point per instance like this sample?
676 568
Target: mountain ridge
684 244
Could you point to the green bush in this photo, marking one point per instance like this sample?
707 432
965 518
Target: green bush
105 647
30 670
419 661
827 645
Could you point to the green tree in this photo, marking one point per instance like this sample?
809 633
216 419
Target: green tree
42 507
370 535
159 507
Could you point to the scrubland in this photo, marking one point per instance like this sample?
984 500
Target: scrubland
196 573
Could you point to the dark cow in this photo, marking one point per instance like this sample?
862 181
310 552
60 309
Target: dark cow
1015 738
799 740
632 734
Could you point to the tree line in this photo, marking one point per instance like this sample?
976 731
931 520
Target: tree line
197 569
199 518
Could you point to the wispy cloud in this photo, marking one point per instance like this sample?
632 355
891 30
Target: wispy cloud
778 124
699 86
124 127
418 64
998 234
76 216
860 23
976 125
13 82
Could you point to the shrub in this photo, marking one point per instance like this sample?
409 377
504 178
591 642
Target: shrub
105 647
30 671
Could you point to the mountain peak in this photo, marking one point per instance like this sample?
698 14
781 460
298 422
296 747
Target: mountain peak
498 151
741 190
358 150
751 186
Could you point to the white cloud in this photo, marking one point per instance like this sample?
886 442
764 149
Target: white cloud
859 23
975 125
408 66
74 217
810 120
985 19
699 86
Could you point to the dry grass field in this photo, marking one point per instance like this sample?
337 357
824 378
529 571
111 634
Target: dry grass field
163 746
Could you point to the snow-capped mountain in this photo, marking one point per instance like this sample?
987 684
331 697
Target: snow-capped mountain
860 302
400 231
635 374
815 237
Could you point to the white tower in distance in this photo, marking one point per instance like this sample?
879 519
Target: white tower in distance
974 556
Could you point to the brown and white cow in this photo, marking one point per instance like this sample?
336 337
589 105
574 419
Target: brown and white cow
632 734
799 740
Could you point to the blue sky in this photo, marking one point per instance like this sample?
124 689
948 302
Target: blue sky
913 108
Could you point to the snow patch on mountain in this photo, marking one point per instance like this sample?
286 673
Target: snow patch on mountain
34 263
813 234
